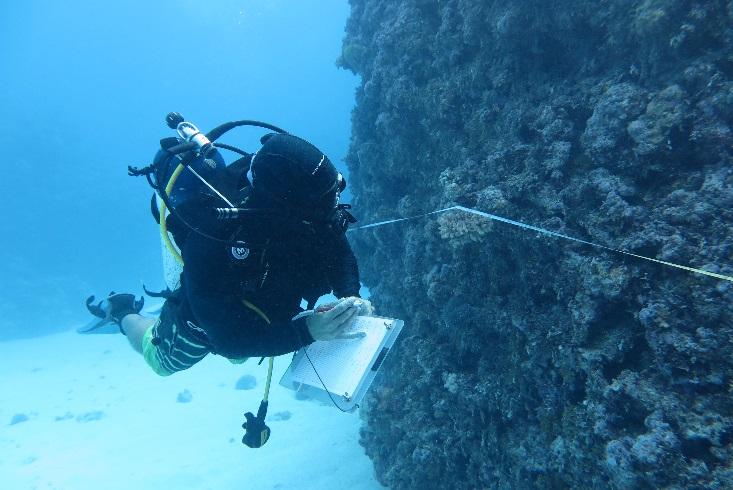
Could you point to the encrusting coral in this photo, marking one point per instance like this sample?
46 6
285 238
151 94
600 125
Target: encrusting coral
461 228
529 362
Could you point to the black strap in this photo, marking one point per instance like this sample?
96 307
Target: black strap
165 293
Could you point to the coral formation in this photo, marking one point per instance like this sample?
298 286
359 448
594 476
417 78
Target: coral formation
18 418
460 229
92 416
246 382
184 396
527 362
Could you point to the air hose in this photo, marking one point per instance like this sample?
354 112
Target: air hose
163 225
256 432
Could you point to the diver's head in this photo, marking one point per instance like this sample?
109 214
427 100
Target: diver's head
290 172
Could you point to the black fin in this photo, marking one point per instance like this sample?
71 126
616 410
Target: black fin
166 293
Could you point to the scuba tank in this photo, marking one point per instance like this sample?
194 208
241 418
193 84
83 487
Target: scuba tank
187 185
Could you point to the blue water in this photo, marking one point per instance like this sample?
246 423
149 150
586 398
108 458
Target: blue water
85 88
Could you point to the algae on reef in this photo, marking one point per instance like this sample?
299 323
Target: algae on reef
529 362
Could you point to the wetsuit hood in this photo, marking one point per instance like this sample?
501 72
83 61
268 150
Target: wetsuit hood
291 172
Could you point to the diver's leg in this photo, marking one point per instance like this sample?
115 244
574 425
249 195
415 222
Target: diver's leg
135 326
171 343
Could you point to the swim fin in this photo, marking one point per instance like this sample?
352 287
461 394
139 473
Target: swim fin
110 311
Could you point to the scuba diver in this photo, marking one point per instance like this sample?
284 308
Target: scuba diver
251 252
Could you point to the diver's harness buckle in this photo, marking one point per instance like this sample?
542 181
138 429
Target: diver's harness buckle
341 218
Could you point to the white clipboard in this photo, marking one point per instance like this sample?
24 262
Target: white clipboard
346 367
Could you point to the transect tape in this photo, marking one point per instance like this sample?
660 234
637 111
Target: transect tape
550 233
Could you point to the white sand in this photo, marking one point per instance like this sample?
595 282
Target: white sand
145 439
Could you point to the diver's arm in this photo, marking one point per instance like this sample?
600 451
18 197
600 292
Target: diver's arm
342 269
235 330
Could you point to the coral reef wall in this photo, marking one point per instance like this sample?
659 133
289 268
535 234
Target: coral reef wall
527 361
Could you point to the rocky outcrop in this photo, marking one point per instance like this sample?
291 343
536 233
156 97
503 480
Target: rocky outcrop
529 362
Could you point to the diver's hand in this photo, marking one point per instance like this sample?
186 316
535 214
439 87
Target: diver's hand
331 320
365 307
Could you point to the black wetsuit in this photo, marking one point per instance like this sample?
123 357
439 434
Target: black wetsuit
240 290
224 291
284 262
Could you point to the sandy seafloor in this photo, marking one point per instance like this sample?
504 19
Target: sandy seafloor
99 418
